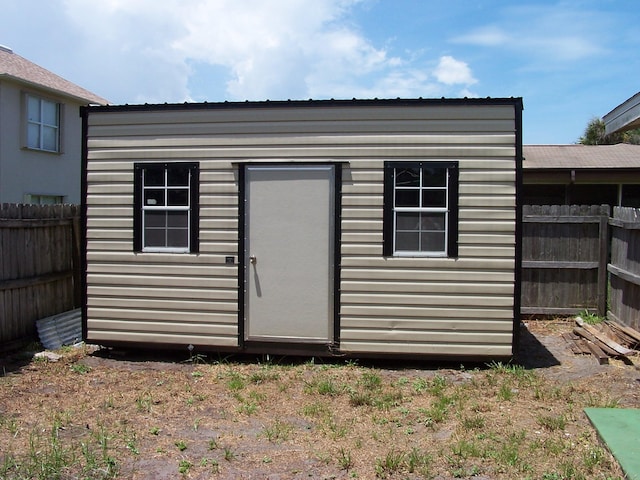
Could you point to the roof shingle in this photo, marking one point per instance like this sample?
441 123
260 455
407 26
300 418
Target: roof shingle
20 69
622 155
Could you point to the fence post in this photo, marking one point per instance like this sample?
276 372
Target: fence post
76 258
605 246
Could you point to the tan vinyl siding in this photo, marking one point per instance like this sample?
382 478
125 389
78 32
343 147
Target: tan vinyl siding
153 297
443 307
439 306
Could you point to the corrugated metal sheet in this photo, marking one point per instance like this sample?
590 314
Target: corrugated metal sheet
61 329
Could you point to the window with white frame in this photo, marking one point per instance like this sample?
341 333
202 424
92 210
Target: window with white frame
43 124
421 209
166 207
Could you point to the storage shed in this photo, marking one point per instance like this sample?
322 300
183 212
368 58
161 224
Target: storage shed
339 227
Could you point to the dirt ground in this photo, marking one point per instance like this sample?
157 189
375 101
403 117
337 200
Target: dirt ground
164 417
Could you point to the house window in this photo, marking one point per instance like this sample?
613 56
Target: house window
35 199
43 124
166 207
421 209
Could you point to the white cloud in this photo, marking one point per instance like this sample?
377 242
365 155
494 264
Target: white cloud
542 34
183 50
278 49
489 36
451 72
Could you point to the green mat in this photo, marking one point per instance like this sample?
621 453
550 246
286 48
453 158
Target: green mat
619 428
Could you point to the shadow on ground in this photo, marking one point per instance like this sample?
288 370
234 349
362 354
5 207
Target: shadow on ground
532 353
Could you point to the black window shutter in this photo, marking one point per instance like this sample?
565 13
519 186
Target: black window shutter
137 207
452 247
194 227
387 214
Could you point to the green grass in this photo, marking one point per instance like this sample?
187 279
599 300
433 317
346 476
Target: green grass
80 368
591 318
48 457
392 463
323 386
278 431
552 422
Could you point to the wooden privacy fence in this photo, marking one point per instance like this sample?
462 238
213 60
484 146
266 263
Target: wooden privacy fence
39 265
564 259
624 268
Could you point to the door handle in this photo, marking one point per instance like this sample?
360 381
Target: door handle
253 260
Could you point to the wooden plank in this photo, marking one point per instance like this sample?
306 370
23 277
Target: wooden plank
76 261
571 340
587 335
602 265
550 310
583 345
601 357
614 222
561 219
624 274
603 339
632 335
34 222
559 264
32 281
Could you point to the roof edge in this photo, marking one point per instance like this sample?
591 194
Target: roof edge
83 100
306 103
623 117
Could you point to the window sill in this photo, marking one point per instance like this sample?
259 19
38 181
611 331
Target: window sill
164 250
419 255
38 150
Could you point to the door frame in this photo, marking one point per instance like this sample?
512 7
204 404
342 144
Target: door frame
266 347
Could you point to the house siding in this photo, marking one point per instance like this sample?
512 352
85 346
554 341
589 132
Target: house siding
32 172
460 306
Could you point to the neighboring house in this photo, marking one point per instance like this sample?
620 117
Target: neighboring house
40 133
581 175
353 227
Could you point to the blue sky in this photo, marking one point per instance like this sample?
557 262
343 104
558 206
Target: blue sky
569 60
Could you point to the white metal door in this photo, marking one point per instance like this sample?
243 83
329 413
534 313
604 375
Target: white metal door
289 238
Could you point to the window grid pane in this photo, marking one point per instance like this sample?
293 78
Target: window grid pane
43 124
166 208
421 209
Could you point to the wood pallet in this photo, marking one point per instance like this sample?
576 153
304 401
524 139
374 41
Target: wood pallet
606 340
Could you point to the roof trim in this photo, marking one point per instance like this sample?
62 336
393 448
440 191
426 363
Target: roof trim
39 86
625 116
19 70
403 102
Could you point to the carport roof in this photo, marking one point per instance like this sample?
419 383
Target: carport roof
573 157
625 116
